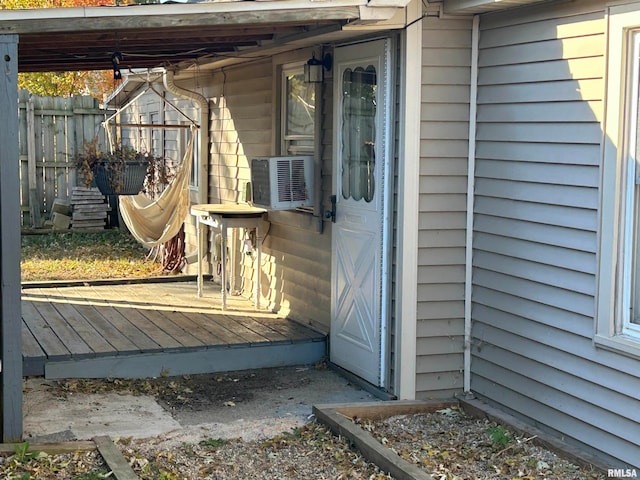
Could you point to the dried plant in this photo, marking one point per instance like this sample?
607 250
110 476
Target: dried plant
91 161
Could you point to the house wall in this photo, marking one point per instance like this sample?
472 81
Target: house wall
296 258
150 108
446 60
540 108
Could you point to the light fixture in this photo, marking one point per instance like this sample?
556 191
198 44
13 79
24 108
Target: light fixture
314 68
116 58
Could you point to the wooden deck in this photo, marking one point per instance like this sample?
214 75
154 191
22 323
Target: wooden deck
152 329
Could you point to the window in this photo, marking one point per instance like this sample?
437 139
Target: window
618 306
631 322
185 136
139 139
359 133
298 112
157 147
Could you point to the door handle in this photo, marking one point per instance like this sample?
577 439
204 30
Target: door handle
332 213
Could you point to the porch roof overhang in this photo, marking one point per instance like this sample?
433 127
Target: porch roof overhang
147 36
458 7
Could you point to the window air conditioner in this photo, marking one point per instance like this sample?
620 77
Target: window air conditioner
282 183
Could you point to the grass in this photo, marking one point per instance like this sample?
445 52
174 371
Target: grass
84 256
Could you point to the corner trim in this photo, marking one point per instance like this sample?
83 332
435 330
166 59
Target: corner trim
408 191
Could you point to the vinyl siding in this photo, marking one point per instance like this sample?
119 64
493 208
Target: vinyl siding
444 131
240 127
541 84
296 262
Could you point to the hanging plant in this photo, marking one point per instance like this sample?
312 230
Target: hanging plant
124 171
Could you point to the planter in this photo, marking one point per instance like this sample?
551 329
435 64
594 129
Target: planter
128 180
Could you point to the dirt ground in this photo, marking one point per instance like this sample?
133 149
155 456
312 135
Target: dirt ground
253 424
451 445
246 404
258 425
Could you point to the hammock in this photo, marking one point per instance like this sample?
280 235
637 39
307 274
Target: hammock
154 222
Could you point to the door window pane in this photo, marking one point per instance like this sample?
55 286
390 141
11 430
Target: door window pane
359 87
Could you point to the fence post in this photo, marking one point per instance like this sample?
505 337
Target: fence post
34 203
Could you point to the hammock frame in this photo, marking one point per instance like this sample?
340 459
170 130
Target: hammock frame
154 222
106 124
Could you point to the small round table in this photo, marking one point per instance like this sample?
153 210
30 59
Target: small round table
223 216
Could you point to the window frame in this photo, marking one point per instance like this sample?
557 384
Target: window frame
194 181
296 68
306 218
618 270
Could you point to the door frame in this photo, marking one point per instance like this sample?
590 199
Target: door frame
387 133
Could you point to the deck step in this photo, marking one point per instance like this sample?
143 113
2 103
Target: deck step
214 359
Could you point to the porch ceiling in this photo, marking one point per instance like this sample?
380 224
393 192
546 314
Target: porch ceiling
484 6
72 39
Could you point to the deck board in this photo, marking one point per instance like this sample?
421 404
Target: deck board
67 335
218 329
110 333
140 339
42 332
158 335
85 329
132 331
293 329
30 346
250 335
189 324
179 334
259 327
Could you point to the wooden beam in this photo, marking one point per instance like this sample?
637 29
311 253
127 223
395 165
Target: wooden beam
113 457
10 313
51 448
378 410
479 6
371 449
40 21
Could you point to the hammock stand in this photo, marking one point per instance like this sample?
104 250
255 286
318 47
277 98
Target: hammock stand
105 124
159 223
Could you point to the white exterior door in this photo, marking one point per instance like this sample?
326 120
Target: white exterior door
360 234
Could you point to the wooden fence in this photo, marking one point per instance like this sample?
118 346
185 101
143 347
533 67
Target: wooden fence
52 131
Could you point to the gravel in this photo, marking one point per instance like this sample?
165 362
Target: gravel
450 445
309 452
447 444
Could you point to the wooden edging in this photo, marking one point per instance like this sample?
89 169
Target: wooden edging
52 448
120 468
110 281
339 419
114 459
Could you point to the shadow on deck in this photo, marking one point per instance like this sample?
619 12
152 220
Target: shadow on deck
153 329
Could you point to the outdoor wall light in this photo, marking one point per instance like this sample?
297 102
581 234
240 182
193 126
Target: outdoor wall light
116 58
314 68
